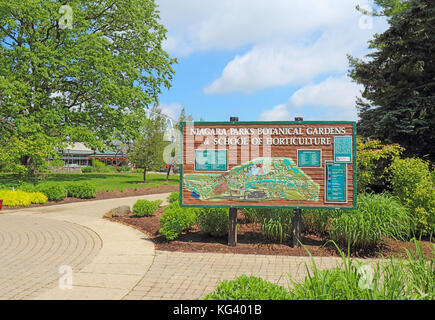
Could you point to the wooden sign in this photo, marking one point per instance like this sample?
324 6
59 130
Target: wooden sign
295 164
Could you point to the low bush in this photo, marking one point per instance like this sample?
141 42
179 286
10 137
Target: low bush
276 224
88 169
409 279
248 288
176 219
54 191
82 190
373 160
101 167
414 183
316 221
214 221
123 169
145 207
57 163
174 197
21 198
376 216
27 187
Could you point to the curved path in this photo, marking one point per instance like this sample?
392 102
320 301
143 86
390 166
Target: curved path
113 261
107 259
33 250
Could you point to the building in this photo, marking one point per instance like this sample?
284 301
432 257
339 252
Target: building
78 155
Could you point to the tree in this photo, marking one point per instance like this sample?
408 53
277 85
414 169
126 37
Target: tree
83 74
147 150
399 84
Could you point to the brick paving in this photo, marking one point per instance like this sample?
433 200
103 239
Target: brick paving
177 275
33 249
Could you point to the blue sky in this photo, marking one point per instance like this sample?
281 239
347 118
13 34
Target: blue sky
264 60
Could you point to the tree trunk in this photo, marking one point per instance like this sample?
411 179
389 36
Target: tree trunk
169 170
144 175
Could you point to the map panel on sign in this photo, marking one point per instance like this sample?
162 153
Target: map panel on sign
258 179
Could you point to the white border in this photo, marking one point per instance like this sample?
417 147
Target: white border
326 181
297 158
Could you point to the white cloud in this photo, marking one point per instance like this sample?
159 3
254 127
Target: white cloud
331 99
332 92
198 25
277 63
172 110
279 112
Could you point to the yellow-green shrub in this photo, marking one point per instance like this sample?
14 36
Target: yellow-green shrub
21 198
414 183
373 160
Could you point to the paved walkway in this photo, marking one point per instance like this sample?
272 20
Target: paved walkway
176 275
33 250
113 261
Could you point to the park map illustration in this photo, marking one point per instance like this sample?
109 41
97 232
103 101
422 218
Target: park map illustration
259 179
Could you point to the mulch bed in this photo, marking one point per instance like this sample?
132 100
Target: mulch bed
251 241
102 194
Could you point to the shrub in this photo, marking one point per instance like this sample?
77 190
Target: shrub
21 198
377 215
57 163
253 214
27 187
214 221
123 169
174 197
38 197
414 183
248 288
54 191
98 165
316 221
87 169
373 160
146 207
82 190
176 219
276 224
409 279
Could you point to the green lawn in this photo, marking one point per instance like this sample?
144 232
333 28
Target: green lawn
107 181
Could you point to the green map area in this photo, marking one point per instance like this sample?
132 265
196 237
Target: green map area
258 179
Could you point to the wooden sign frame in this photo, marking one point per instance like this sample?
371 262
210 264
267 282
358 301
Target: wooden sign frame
326 156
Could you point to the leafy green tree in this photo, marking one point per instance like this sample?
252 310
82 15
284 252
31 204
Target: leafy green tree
80 72
147 150
398 79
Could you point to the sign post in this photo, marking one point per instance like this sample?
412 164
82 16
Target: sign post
279 164
232 219
297 213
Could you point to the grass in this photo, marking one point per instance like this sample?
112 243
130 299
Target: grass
412 278
105 181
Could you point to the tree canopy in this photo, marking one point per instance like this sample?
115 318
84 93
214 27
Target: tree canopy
85 72
399 81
